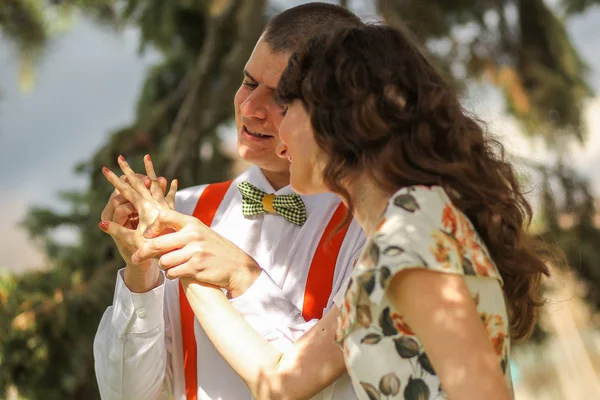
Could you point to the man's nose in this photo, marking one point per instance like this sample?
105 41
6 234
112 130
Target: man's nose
256 105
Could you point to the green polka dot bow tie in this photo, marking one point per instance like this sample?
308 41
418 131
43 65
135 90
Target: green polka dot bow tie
255 202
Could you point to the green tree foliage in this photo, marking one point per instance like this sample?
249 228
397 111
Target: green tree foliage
48 318
519 45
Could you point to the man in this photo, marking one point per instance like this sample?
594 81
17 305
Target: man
270 266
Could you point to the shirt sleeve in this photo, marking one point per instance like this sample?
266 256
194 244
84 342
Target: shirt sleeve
132 346
274 316
269 312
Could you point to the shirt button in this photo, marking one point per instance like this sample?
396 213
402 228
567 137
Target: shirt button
141 312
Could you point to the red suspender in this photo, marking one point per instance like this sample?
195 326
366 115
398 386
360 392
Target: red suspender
318 285
322 267
211 198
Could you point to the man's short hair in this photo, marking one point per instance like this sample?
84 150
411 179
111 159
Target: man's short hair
287 31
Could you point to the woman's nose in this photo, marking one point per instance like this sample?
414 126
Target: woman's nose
282 150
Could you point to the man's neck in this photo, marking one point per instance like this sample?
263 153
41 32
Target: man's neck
277 179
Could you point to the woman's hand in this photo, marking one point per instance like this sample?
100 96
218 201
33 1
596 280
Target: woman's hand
196 251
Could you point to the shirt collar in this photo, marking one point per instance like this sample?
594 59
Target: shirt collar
257 178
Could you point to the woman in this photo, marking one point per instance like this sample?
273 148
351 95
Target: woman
449 275
368 117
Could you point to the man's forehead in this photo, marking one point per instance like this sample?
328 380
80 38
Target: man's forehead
265 66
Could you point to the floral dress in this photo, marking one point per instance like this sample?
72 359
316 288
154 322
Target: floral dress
420 228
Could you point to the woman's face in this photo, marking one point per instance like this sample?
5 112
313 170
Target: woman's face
298 145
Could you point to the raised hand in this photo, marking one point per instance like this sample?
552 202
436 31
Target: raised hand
120 217
147 201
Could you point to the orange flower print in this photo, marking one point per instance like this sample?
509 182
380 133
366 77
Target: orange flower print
496 332
461 232
347 307
483 267
442 248
458 225
449 219
344 318
347 351
400 325
439 249
339 333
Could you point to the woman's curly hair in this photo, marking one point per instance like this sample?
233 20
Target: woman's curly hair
377 104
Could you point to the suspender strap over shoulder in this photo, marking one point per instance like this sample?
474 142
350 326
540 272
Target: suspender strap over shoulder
322 267
318 285
205 211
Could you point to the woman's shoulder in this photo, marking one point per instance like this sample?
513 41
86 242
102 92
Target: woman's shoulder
417 200
423 222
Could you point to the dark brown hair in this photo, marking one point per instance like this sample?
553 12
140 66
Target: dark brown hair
378 105
288 30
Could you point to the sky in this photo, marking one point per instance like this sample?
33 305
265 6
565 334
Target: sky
87 83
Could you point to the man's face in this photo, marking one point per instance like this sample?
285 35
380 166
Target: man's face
257 115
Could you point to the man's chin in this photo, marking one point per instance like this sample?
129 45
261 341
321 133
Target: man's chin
248 154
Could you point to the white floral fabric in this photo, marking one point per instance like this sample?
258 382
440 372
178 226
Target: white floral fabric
420 228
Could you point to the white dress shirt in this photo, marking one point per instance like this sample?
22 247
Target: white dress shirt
138 347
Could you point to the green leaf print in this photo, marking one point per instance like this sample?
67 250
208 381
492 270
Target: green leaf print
384 275
468 267
406 202
389 385
367 280
426 364
393 251
371 391
370 256
406 347
416 389
504 363
386 323
371 338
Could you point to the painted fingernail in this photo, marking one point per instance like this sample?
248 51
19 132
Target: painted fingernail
105 170
103 225
121 158
149 158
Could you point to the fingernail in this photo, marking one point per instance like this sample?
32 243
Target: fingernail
121 158
105 170
149 159
103 225
134 258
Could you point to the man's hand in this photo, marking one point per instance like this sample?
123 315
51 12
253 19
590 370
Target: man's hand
198 252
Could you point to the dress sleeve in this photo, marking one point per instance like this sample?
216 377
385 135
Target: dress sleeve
422 229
